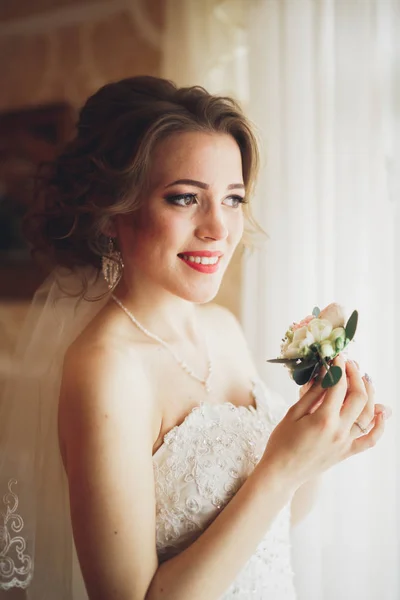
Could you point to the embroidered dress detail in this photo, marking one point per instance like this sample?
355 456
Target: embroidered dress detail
200 466
16 567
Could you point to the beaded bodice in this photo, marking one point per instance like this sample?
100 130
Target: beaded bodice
200 466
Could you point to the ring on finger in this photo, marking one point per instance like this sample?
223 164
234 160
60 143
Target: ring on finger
362 428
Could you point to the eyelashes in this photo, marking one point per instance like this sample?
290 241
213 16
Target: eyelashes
181 199
185 200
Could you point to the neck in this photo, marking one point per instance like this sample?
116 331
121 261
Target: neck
169 317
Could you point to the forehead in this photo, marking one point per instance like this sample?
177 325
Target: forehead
208 157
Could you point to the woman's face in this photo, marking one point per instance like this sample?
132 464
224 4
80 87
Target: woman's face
192 212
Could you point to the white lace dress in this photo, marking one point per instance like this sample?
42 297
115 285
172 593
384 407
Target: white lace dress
198 469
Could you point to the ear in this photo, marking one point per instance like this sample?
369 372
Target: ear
109 230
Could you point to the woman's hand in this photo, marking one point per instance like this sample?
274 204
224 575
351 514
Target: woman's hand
371 409
319 430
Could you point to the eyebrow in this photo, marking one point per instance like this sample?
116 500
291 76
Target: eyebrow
204 186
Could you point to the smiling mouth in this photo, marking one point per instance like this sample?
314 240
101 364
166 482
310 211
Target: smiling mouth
202 264
200 260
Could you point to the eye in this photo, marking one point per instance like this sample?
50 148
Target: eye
236 201
182 199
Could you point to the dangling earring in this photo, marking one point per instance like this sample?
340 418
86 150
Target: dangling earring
112 265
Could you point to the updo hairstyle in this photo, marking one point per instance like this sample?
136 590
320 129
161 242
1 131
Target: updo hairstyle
102 171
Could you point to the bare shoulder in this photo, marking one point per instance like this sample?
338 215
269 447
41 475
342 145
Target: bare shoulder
103 362
105 354
104 378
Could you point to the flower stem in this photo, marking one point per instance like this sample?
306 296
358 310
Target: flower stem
327 368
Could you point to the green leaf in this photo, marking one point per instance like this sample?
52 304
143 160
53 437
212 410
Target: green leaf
312 371
351 326
303 376
315 370
284 361
306 364
316 311
332 377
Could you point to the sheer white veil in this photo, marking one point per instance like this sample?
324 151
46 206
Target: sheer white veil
36 545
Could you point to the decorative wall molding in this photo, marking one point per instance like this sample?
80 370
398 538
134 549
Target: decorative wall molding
145 25
66 54
75 15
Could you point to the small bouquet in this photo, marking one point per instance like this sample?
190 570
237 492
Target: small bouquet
314 342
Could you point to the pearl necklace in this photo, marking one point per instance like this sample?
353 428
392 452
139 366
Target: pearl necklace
204 382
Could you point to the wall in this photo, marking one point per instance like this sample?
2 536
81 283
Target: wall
63 50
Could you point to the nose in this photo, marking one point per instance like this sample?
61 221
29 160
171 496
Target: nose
211 224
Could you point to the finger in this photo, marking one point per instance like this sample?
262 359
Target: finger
368 413
383 407
336 394
378 408
315 393
307 386
356 397
366 417
370 439
304 388
316 405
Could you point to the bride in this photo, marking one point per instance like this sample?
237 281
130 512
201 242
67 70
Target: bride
141 455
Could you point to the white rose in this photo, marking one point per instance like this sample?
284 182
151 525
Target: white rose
320 329
291 351
327 350
298 347
301 334
337 333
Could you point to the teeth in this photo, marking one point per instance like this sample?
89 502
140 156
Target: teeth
203 260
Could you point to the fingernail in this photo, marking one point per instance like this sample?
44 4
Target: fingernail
355 364
368 378
386 412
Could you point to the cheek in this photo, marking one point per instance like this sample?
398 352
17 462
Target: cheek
237 227
169 230
158 234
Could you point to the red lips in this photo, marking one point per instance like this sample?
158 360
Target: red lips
201 253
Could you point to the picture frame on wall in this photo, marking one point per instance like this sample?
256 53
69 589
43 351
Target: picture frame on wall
28 138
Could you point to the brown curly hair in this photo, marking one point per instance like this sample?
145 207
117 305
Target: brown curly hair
103 171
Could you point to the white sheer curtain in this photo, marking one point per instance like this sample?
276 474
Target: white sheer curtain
323 76
321 80
205 43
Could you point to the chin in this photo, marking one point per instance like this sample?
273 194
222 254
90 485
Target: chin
199 294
